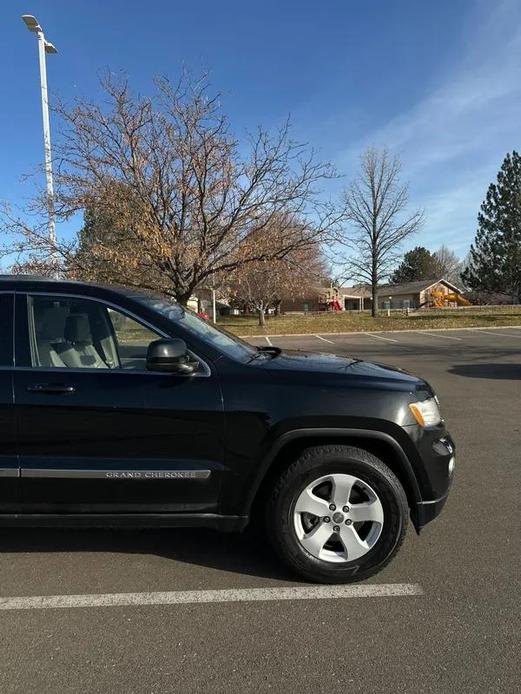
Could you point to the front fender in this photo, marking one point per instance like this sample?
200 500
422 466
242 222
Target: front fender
325 434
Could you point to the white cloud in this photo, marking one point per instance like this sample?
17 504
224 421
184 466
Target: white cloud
451 215
452 143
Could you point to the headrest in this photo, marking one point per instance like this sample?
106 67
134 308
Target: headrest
77 328
52 323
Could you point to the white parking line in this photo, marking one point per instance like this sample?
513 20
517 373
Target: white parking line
486 332
443 337
379 337
324 339
268 341
361 332
184 597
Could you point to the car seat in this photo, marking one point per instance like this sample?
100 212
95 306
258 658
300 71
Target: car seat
79 350
50 336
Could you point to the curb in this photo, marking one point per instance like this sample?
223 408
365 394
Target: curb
406 330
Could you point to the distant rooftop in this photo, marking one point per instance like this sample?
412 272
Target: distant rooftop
396 289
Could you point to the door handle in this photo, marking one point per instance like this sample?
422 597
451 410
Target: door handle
50 388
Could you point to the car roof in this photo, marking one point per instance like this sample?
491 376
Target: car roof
54 283
36 283
40 284
41 278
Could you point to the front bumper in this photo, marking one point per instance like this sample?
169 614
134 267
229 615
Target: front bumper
435 473
426 511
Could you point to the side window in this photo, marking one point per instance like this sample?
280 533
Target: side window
6 333
132 340
66 332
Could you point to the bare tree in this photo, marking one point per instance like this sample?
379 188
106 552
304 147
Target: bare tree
448 265
179 195
306 274
33 267
255 286
263 284
376 205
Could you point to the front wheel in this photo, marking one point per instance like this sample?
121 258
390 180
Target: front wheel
337 515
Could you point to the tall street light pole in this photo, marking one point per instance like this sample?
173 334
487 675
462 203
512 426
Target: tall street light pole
45 47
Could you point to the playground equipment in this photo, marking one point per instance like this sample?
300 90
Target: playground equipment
330 305
330 300
441 300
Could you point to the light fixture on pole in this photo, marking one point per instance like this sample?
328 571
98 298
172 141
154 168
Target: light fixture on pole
44 47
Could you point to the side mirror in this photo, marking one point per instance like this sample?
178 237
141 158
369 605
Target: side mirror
169 355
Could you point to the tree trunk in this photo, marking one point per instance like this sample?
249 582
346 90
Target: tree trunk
374 304
183 298
277 308
262 317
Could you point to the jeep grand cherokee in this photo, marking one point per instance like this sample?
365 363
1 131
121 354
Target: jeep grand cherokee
120 408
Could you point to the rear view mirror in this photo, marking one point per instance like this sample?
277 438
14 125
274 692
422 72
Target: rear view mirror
169 355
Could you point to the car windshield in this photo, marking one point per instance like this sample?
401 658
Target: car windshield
229 344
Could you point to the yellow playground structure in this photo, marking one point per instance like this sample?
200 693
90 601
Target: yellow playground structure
439 299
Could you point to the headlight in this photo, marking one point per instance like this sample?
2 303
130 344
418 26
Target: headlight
426 412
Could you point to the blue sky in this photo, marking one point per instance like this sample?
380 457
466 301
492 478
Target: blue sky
437 82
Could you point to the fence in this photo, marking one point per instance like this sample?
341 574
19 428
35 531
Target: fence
481 308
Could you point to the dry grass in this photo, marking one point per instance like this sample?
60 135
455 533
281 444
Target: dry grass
352 322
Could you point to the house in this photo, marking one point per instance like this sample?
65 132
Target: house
422 294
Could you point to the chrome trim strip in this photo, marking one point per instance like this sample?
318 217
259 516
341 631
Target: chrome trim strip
86 369
9 472
130 314
117 474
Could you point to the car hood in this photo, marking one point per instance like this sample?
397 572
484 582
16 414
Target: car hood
325 363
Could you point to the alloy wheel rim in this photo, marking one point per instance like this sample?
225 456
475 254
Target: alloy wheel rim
338 518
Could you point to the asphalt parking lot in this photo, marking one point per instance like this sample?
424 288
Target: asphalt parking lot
457 631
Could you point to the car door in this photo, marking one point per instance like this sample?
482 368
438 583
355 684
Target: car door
98 433
9 470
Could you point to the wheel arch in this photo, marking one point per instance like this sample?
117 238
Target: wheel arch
290 445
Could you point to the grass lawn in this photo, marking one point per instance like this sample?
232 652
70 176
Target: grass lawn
352 322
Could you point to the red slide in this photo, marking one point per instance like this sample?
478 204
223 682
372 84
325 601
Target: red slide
335 305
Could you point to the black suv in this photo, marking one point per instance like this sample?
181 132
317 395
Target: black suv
120 408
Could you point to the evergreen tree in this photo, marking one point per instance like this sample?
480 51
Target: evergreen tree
495 255
98 229
103 229
418 264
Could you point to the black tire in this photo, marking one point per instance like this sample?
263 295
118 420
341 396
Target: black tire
323 460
